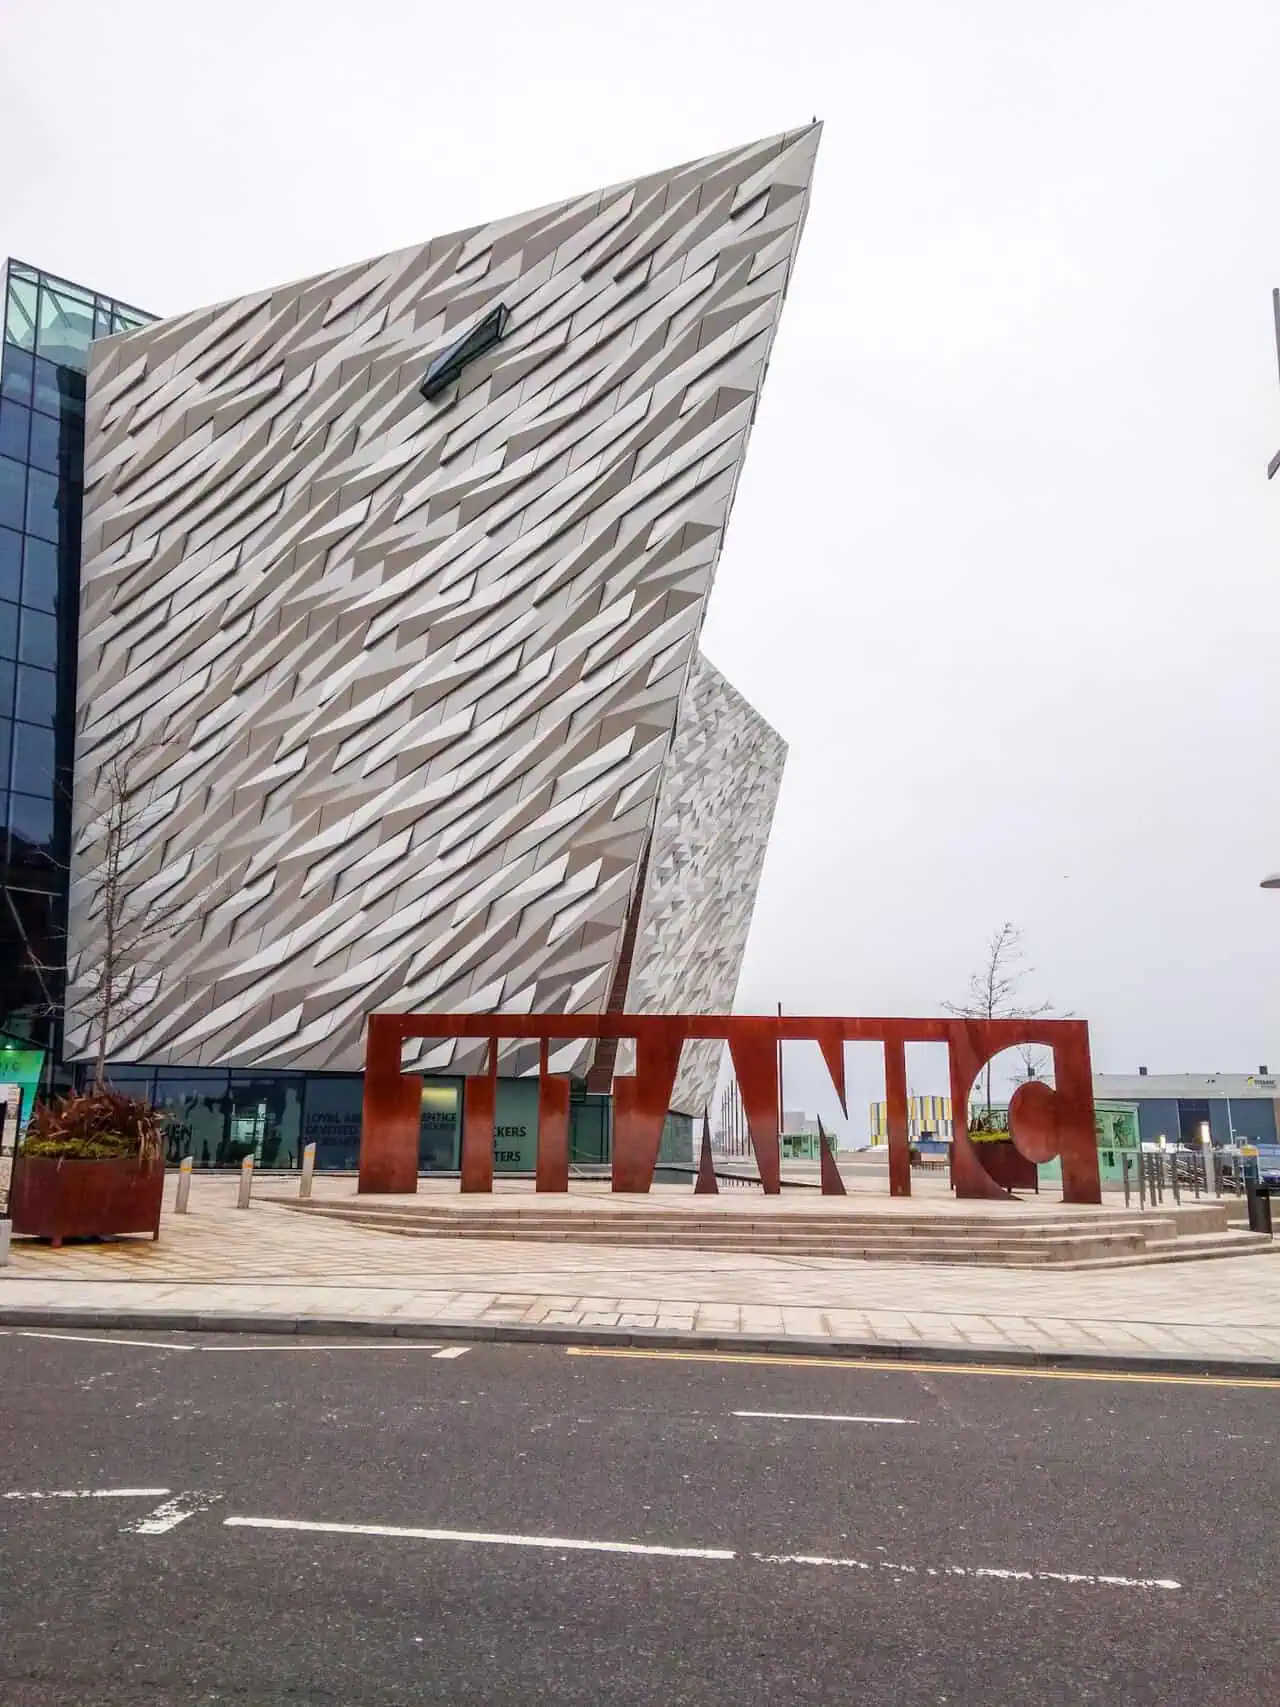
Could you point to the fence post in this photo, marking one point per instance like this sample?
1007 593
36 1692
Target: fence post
308 1170
184 1187
246 1183
1124 1169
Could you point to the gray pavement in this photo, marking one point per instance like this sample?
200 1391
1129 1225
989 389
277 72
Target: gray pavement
272 1267
260 1521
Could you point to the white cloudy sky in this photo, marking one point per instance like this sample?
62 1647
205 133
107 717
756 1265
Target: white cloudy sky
1003 563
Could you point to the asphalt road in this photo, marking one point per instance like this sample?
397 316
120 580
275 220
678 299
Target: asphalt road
953 1551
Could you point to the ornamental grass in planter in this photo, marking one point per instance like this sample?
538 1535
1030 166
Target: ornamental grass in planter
1001 1157
90 1165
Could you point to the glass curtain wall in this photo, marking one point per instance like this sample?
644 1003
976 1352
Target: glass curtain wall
48 325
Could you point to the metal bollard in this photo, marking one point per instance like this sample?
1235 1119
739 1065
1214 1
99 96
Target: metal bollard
1211 1185
246 1183
184 1187
308 1170
1173 1179
6 1227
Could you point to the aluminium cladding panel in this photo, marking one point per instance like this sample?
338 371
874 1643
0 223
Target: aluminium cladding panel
715 811
394 680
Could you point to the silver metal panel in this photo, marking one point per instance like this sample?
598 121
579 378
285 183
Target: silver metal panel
716 808
399 678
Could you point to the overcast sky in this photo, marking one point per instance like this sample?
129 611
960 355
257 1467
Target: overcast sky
1003 566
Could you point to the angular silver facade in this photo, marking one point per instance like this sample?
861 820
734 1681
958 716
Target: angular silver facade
400 677
719 790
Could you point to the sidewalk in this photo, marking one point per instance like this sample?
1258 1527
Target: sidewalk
270 1269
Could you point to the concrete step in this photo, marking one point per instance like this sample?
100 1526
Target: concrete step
1192 1249
1112 1241
682 1225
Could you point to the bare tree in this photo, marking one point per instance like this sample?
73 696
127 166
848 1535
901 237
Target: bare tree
133 906
993 991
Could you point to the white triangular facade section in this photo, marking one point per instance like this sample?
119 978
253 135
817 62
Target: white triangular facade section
400 678
719 791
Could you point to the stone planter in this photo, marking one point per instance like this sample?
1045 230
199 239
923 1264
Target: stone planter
55 1198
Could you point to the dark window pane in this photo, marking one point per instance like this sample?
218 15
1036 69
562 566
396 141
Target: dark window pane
39 639
13 485
10 563
331 1120
46 440
197 1106
32 771
266 1120
58 390
6 745
42 504
15 373
7 673
37 695
14 422
40 575
8 629
30 826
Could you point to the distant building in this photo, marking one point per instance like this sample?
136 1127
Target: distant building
1176 1107
927 1118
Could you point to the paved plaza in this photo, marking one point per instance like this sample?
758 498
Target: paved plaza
271 1262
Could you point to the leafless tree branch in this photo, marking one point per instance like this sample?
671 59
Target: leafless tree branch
993 992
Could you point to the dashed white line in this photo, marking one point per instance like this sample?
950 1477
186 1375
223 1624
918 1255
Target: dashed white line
1001 1574
173 1512
91 1494
818 1417
551 1543
572 1544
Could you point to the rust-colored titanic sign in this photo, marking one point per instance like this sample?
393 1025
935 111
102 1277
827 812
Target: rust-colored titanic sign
1044 1122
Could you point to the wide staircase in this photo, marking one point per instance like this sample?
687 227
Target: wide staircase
1026 1239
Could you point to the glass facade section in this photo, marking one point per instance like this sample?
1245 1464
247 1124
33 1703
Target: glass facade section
48 324
217 1116
440 1131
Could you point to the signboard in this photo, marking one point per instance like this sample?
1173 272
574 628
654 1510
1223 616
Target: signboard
20 1071
331 1120
515 1127
439 1131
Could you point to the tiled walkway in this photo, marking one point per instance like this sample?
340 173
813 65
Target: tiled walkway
271 1261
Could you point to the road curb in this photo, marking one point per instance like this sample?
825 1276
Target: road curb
638 1339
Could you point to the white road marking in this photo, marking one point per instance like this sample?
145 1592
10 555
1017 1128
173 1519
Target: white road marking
570 1544
169 1345
100 1339
818 1417
173 1512
344 1345
93 1494
989 1571
552 1543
